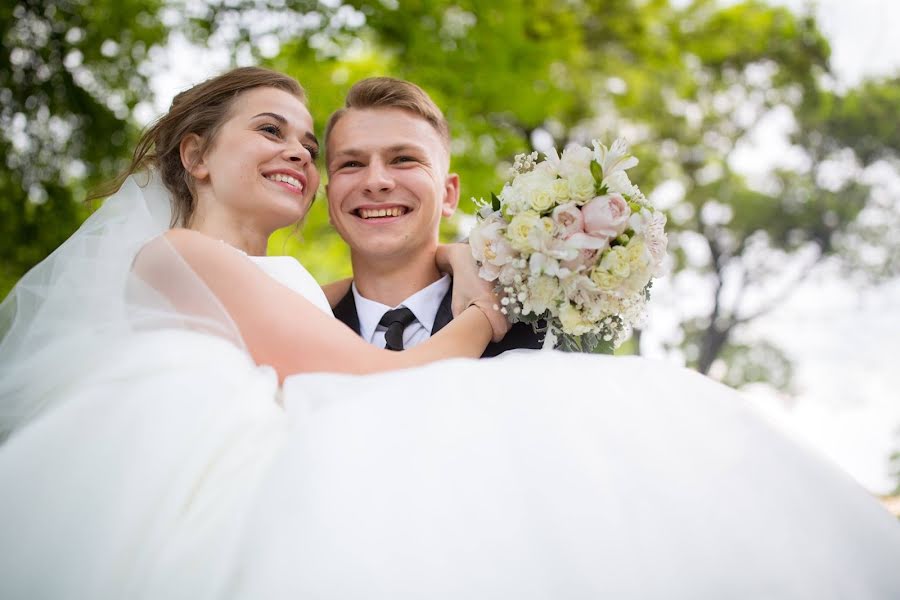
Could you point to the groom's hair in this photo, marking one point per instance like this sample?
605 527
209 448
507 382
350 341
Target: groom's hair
387 92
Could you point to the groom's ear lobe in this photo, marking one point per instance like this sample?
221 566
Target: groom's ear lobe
191 150
451 195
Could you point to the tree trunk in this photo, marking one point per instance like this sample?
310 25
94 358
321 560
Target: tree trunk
713 341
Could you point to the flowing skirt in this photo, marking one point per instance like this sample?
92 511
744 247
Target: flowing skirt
180 470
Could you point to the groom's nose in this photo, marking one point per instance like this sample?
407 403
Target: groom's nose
378 177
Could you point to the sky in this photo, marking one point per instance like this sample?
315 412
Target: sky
844 341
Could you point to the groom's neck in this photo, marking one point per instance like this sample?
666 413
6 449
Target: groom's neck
390 281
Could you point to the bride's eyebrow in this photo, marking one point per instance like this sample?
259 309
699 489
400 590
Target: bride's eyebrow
271 115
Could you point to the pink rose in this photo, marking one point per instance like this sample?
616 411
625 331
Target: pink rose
568 219
606 216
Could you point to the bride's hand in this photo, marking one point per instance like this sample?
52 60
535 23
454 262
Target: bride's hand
469 289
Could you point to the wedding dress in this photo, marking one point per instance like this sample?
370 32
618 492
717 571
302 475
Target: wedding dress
154 459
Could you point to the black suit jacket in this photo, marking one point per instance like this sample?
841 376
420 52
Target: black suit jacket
521 335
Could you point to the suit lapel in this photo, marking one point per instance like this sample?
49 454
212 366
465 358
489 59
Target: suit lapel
345 311
443 315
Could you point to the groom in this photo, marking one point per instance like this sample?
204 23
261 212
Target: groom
389 185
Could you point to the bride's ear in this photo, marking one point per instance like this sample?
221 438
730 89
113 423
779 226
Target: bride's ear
191 150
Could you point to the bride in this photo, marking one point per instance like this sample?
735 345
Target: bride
185 419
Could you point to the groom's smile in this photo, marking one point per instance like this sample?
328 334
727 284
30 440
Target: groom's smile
381 213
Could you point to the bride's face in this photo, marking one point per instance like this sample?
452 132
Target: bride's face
260 169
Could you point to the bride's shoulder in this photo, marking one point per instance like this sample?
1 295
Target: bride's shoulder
192 241
203 254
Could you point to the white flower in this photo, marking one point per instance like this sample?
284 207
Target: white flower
581 187
575 159
533 191
615 158
583 241
657 241
617 262
489 247
573 322
520 228
618 183
539 263
543 294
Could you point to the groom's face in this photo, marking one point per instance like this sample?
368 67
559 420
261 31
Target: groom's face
388 185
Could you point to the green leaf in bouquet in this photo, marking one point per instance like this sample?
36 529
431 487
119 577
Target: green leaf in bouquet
495 202
603 347
597 172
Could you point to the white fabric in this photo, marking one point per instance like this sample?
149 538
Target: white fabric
424 305
170 470
68 315
293 275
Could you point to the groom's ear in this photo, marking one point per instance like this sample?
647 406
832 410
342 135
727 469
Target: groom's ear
191 151
451 195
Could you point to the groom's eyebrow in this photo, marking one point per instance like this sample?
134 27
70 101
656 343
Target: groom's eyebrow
389 149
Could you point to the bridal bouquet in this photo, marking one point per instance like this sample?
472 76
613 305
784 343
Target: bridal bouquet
571 242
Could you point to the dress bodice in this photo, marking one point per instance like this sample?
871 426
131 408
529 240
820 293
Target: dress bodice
290 273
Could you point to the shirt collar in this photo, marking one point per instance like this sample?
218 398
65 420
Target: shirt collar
423 304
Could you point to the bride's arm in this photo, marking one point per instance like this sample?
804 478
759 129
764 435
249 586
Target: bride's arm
456 259
286 331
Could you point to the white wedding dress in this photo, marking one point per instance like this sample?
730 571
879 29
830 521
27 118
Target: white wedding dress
174 467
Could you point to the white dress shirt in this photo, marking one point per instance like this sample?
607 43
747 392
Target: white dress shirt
423 304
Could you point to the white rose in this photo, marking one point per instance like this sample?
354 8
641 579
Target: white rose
520 228
581 187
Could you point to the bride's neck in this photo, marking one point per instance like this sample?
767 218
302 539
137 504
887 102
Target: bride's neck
243 236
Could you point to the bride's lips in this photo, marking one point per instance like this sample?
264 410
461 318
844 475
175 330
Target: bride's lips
289 179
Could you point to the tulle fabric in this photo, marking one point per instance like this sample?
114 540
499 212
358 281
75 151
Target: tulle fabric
551 475
69 315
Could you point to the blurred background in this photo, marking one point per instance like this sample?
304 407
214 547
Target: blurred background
767 130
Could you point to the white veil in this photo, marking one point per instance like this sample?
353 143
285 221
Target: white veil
86 299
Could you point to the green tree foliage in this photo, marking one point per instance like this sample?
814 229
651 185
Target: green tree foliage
69 78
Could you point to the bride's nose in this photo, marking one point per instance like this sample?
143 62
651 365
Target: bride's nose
298 153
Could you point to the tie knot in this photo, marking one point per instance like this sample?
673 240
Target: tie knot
401 315
396 321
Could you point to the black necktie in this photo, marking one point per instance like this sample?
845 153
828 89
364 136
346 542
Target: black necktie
396 321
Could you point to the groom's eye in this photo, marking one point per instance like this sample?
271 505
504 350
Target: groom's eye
403 159
350 164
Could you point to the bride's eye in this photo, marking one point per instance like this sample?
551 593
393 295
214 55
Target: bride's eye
271 129
313 151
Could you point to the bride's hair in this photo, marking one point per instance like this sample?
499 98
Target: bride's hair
200 110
